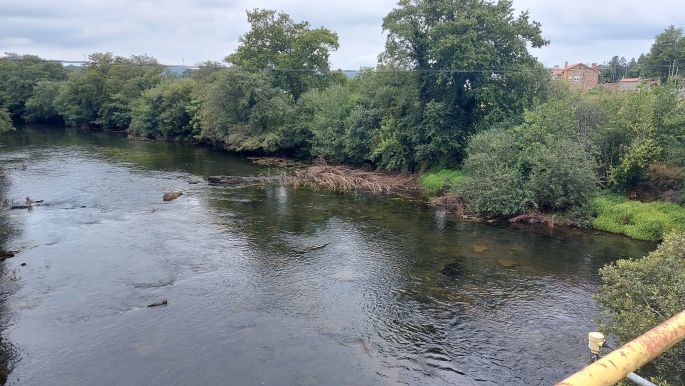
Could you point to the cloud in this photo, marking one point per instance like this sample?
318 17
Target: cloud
192 31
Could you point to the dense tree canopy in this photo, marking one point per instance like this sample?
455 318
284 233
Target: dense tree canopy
295 52
18 77
666 55
473 65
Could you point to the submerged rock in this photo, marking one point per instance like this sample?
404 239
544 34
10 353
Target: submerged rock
480 248
169 196
507 263
453 270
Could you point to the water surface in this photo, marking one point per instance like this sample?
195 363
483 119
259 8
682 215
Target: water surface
401 294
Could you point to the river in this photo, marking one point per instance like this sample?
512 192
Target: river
401 294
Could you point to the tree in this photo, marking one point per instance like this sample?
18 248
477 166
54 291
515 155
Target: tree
297 54
100 94
5 121
162 111
637 295
243 110
18 77
472 61
666 54
40 106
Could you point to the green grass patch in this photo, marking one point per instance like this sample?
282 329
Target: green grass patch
436 182
649 221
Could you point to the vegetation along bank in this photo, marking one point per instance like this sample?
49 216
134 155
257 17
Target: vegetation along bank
456 99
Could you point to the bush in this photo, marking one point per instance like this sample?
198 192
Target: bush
506 176
639 220
562 178
637 295
5 121
435 183
493 184
162 111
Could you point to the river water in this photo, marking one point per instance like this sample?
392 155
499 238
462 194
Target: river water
401 294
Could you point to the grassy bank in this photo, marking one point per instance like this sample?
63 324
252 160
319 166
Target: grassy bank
649 221
437 182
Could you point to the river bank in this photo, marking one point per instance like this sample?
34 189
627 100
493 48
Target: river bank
293 286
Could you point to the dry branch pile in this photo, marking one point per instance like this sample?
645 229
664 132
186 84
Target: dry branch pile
450 202
347 179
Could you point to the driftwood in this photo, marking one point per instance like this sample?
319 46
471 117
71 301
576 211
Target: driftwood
310 248
4 255
239 180
158 304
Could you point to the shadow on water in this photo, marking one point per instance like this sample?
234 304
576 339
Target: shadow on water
270 284
7 231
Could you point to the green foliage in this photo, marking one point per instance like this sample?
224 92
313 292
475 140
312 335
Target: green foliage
242 110
435 183
640 220
562 177
666 53
297 53
508 174
443 40
101 93
494 184
637 295
18 77
5 121
331 108
161 112
40 106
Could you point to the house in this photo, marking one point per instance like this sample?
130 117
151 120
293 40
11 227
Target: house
628 84
579 75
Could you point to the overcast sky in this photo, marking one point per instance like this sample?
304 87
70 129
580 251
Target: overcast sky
190 31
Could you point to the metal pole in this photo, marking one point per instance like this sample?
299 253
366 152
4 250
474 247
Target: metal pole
634 354
639 380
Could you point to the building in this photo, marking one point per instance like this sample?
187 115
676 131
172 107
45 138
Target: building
628 84
579 75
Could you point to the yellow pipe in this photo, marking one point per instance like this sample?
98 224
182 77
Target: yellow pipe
633 355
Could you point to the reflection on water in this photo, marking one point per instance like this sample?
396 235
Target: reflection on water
401 293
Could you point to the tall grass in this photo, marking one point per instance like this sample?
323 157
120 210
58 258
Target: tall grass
437 182
649 221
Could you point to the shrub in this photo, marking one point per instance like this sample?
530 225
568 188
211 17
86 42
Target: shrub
435 183
562 177
5 121
637 295
644 221
493 184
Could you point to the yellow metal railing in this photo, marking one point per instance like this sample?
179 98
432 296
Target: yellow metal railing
633 355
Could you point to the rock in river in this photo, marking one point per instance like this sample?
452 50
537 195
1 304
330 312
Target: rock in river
169 196
453 270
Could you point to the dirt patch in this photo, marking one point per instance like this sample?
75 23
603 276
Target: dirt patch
347 179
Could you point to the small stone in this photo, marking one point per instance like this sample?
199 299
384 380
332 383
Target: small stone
480 248
23 264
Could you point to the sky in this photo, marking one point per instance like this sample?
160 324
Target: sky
192 31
